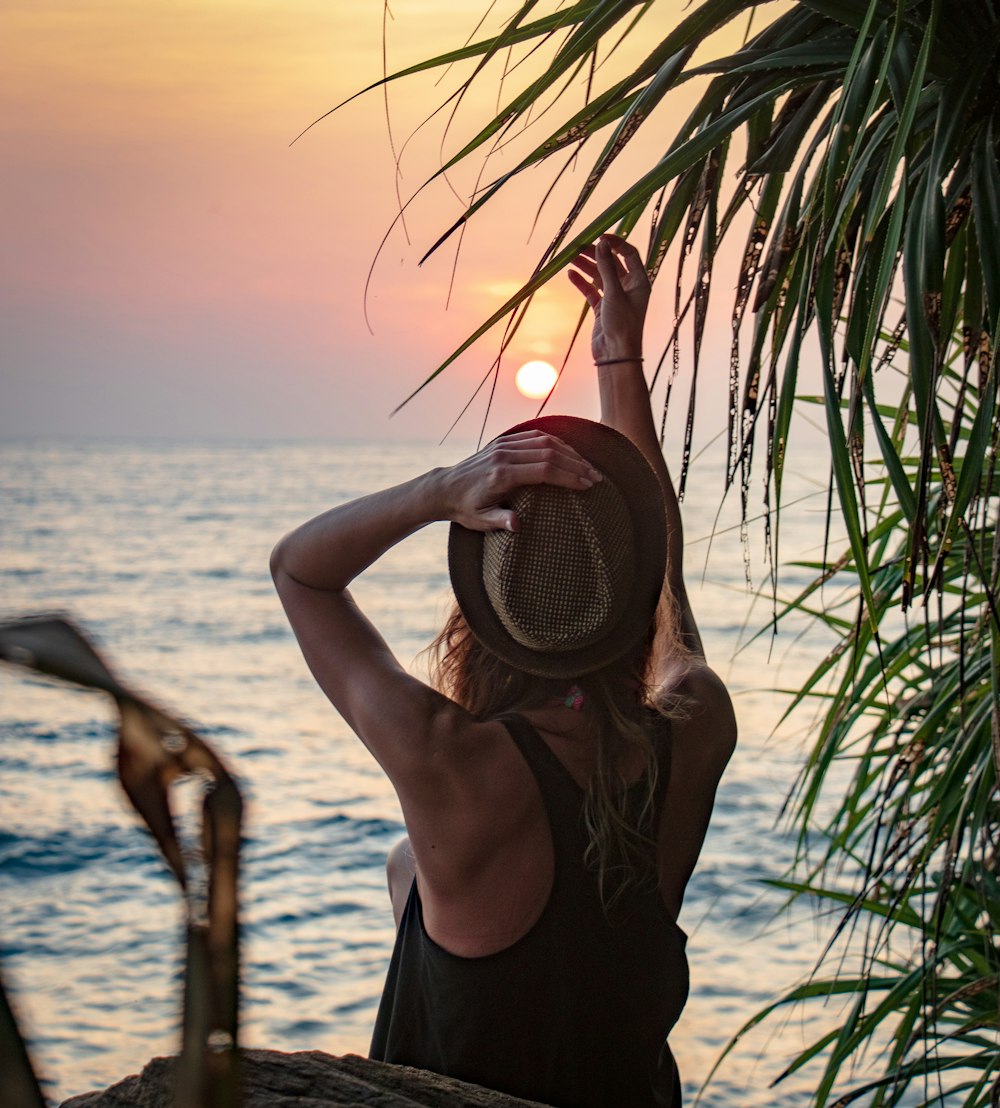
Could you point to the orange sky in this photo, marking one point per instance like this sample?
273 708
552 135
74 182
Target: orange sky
173 268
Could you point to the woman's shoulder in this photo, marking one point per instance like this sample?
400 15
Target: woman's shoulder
467 750
468 767
699 708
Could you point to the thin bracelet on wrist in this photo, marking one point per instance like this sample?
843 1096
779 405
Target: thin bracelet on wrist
618 361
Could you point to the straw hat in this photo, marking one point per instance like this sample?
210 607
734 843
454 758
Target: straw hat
576 586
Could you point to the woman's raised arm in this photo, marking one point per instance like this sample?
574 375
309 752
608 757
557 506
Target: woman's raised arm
613 279
314 565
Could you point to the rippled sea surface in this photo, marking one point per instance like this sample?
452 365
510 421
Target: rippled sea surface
161 551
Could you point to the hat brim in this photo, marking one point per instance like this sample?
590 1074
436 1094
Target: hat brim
620 460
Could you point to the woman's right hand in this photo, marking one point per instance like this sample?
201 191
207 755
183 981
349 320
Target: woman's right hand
613 279
475 490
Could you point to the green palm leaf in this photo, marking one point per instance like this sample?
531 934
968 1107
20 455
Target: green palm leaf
869 195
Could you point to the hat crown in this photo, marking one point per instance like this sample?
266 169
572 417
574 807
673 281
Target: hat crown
575 596
561 580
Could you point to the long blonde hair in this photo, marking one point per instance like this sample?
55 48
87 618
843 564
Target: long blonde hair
621 848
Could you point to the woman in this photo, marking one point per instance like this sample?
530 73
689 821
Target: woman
558 783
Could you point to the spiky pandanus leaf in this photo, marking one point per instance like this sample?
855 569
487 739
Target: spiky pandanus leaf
871 163
869 193
914 832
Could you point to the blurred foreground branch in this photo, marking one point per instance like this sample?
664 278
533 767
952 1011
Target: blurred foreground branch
156 750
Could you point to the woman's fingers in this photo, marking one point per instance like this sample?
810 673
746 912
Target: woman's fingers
609 267
623 246
586 263
534 458
512 461
588 288
533 435
612 258
626 254
624 250
630 267
544 466
534 447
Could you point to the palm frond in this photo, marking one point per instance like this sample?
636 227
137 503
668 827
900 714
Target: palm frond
869 197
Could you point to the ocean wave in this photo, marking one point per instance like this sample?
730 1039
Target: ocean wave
25 858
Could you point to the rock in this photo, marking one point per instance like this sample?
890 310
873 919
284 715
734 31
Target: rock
309 1079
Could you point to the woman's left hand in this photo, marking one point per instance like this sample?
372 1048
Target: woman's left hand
474 490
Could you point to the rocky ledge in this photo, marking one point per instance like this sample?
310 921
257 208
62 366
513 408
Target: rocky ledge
309 1079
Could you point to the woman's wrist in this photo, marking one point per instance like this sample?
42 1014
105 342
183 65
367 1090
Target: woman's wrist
434 495
618 348
609 361
634 358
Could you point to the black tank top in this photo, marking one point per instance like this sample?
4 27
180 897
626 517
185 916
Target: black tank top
576 1013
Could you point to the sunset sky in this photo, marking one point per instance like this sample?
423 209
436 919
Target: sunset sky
173 268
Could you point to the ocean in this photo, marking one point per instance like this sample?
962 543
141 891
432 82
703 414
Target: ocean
160 550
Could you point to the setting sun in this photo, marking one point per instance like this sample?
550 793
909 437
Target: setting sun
535 379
